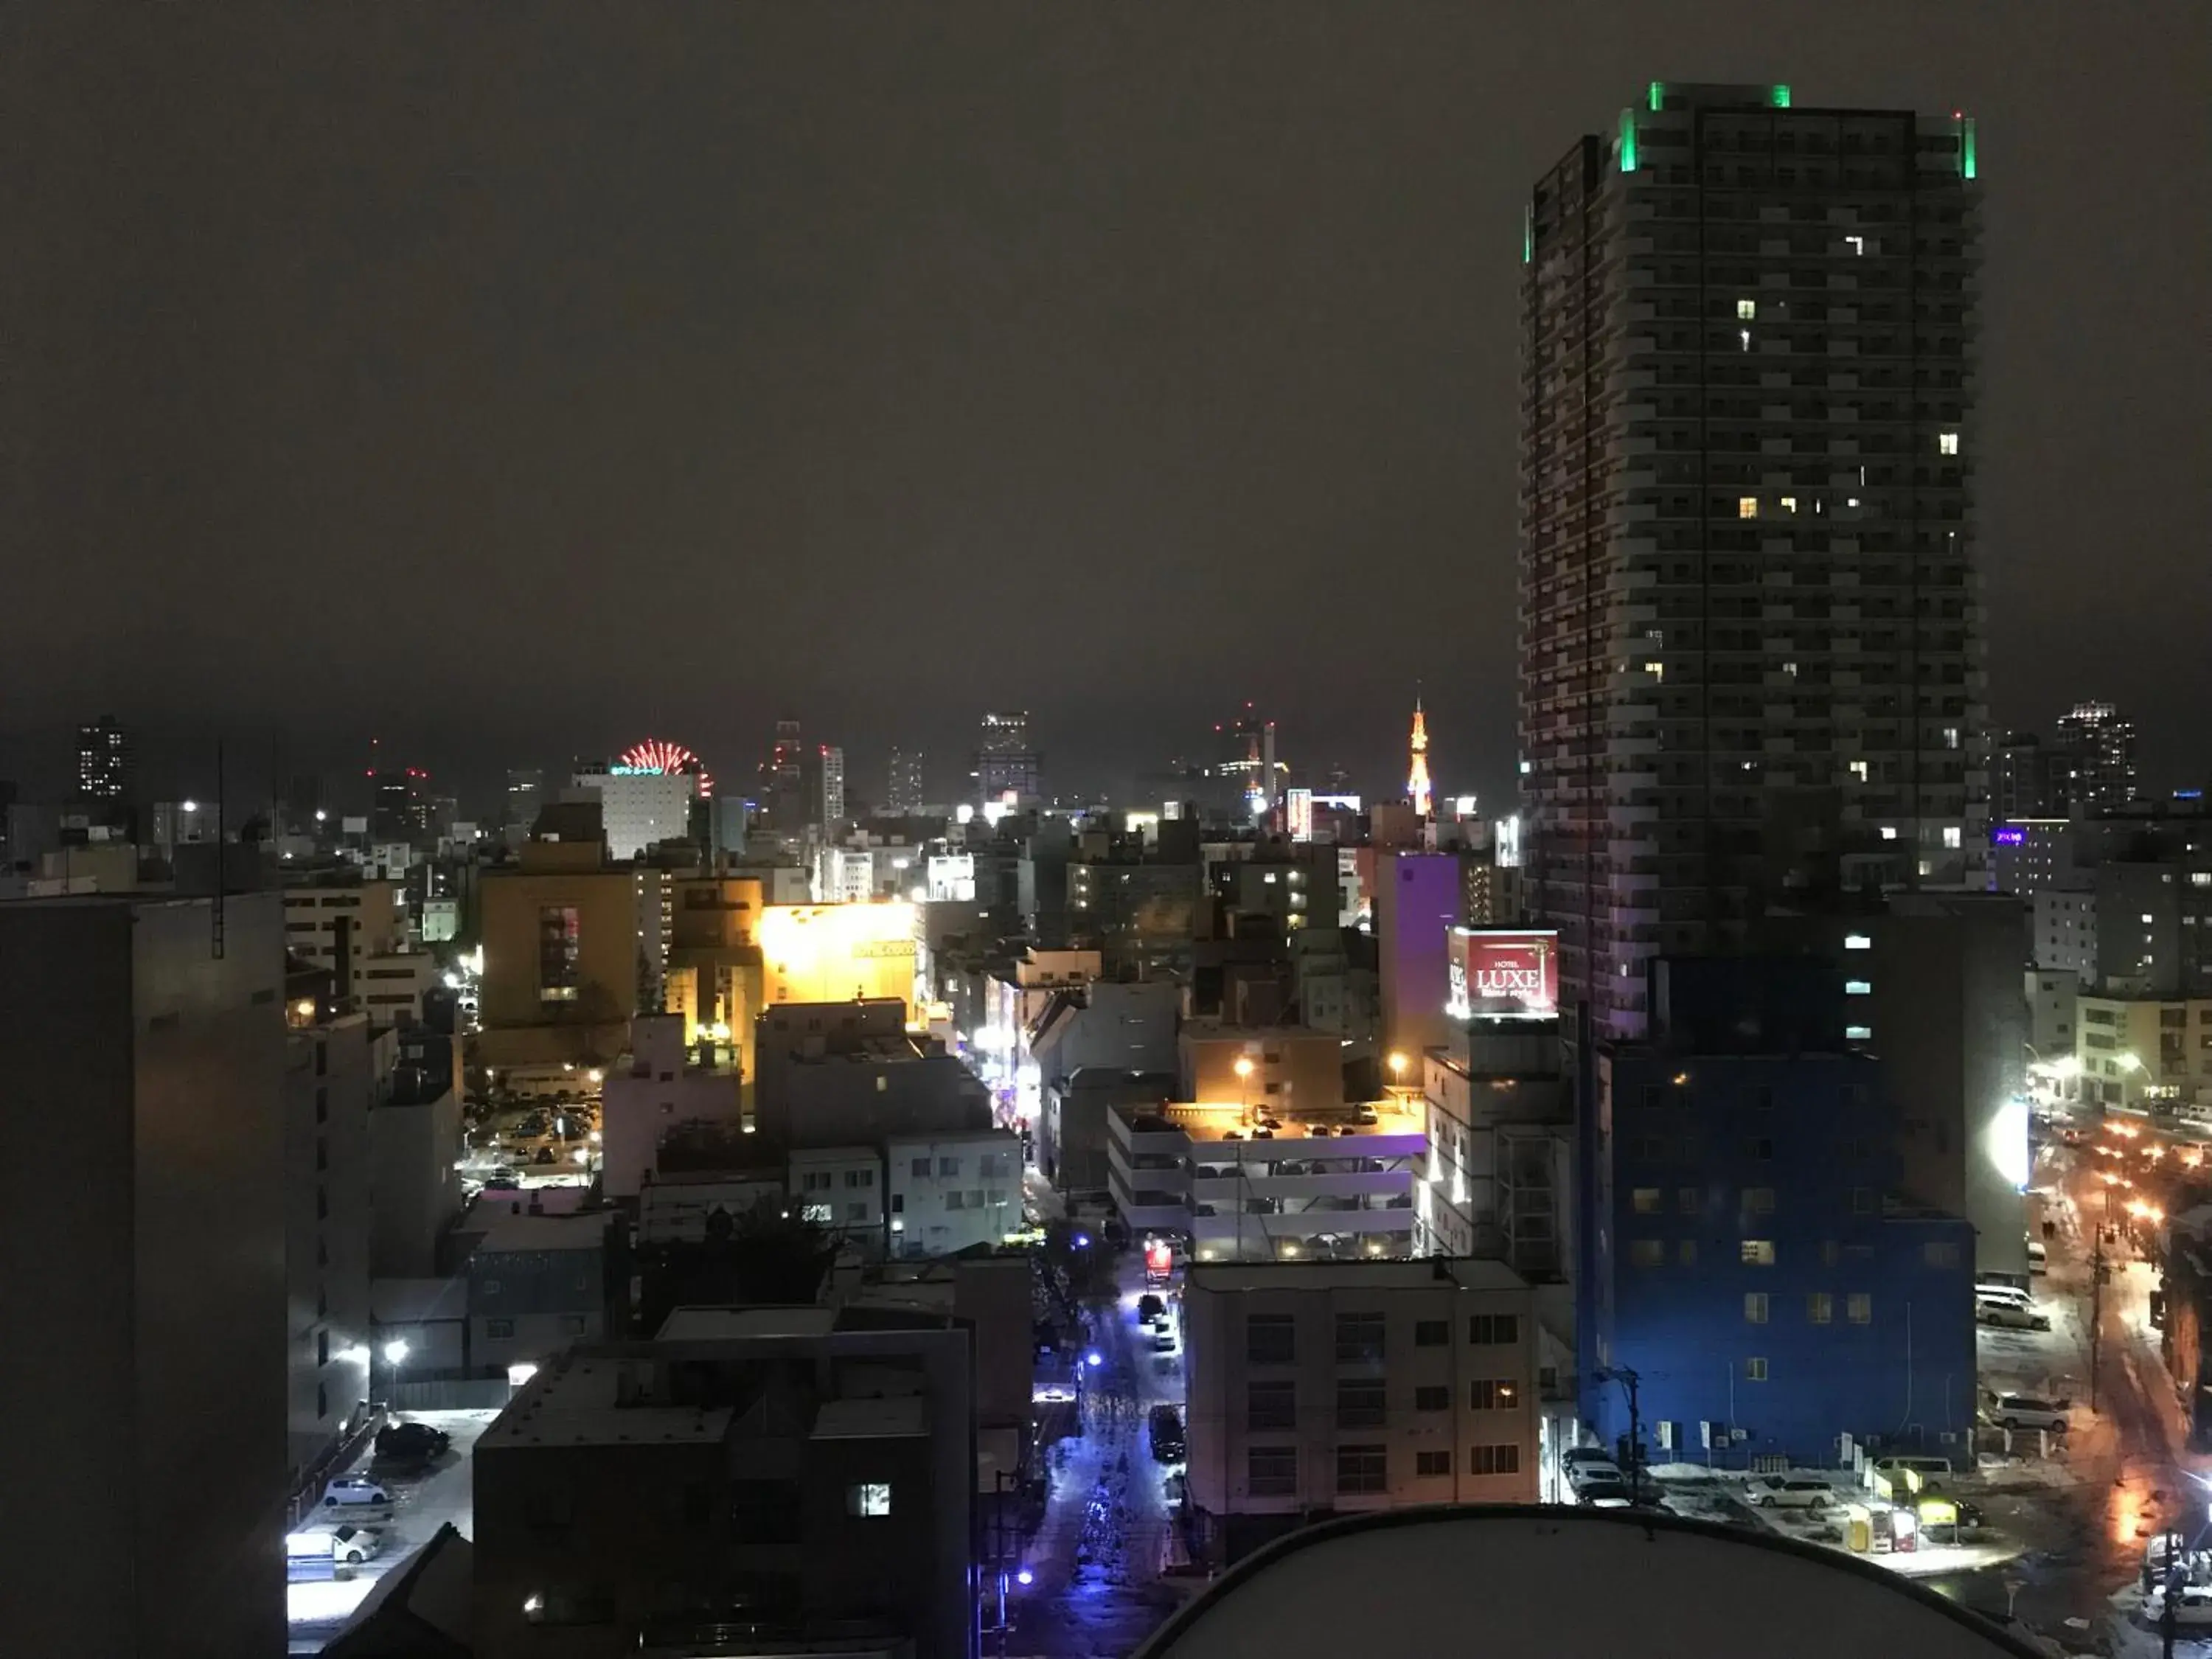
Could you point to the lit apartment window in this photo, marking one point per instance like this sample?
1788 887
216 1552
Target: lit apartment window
1947 443
1743 338
1759 1253
1858 1033
1858 988
1951 834
1858 769
1789 503
1754 1371
1747 506
870 1499
1950 737
1858 1308
1746 310
1754 1307
1889 832
1657 670
1820 1308
1858 942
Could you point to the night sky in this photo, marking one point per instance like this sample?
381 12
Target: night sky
518 382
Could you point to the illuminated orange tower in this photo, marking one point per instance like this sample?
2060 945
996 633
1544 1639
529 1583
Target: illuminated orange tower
1417 784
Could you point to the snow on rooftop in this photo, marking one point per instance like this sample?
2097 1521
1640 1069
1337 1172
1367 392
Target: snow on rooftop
726 1324
576 1402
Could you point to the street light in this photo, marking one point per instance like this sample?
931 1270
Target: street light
1243 1069
1397 1064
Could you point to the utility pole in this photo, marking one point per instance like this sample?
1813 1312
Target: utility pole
1628 1379
2096 1316
2172 1600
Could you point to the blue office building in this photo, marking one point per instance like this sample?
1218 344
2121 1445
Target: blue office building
1748 1256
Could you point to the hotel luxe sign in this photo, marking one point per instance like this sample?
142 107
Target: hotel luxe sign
1502 973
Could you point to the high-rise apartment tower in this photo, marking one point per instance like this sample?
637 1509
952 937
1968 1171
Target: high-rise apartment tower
1750 622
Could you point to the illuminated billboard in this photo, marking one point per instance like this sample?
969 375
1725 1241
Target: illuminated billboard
1500 973
835 953
1298 803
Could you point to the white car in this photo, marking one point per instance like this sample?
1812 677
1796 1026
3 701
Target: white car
2003 1315
351 1489
1594 1472
2025 1411
1792 1492
347 1545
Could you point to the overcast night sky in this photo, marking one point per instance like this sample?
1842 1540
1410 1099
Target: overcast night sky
516 382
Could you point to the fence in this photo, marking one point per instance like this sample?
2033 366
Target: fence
448 1394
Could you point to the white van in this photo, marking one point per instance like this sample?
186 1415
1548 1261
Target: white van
2039 1256
2011 1294
1933 1471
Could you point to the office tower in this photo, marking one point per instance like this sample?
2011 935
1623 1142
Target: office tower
2020 777
902 789
106 761
830 762
1417 780
2092 764
525 793
400 810
1005 764
143 1040
782 792
1750 626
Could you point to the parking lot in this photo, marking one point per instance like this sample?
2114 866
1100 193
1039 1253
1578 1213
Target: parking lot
423 1500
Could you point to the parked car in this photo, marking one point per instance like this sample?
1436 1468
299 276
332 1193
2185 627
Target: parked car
1168 1444
350 1545
348 1490
2013 1294
1164 1342
1600 1494
1575 1455
2003 1315
410 1442
1593 1471
2025 1411
1778 1491
1149 1308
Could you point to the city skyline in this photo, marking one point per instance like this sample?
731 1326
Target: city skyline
1354 414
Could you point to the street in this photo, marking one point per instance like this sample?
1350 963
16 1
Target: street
1097 1557
422 1502
2123 1474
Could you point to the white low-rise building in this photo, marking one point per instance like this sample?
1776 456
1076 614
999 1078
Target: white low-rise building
951 1191
842 1188
1349 1386
654 1088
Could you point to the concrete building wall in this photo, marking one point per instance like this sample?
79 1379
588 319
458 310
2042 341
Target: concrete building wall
842 1189
1417 900
545 1000
659 1089
146 1080
415 1193
330 1080
1292 1068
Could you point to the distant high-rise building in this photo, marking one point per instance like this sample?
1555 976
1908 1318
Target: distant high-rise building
400 809
782 792
525 793
2092 764
106 762
1417 780
903 790
2020 777
1750 641
1005 764
829 763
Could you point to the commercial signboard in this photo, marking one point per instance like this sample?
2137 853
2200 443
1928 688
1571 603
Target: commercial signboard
1504 973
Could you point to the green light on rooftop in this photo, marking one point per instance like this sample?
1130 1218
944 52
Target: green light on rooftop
1967 161
1658 96
1779 96
1527 234
1628 141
